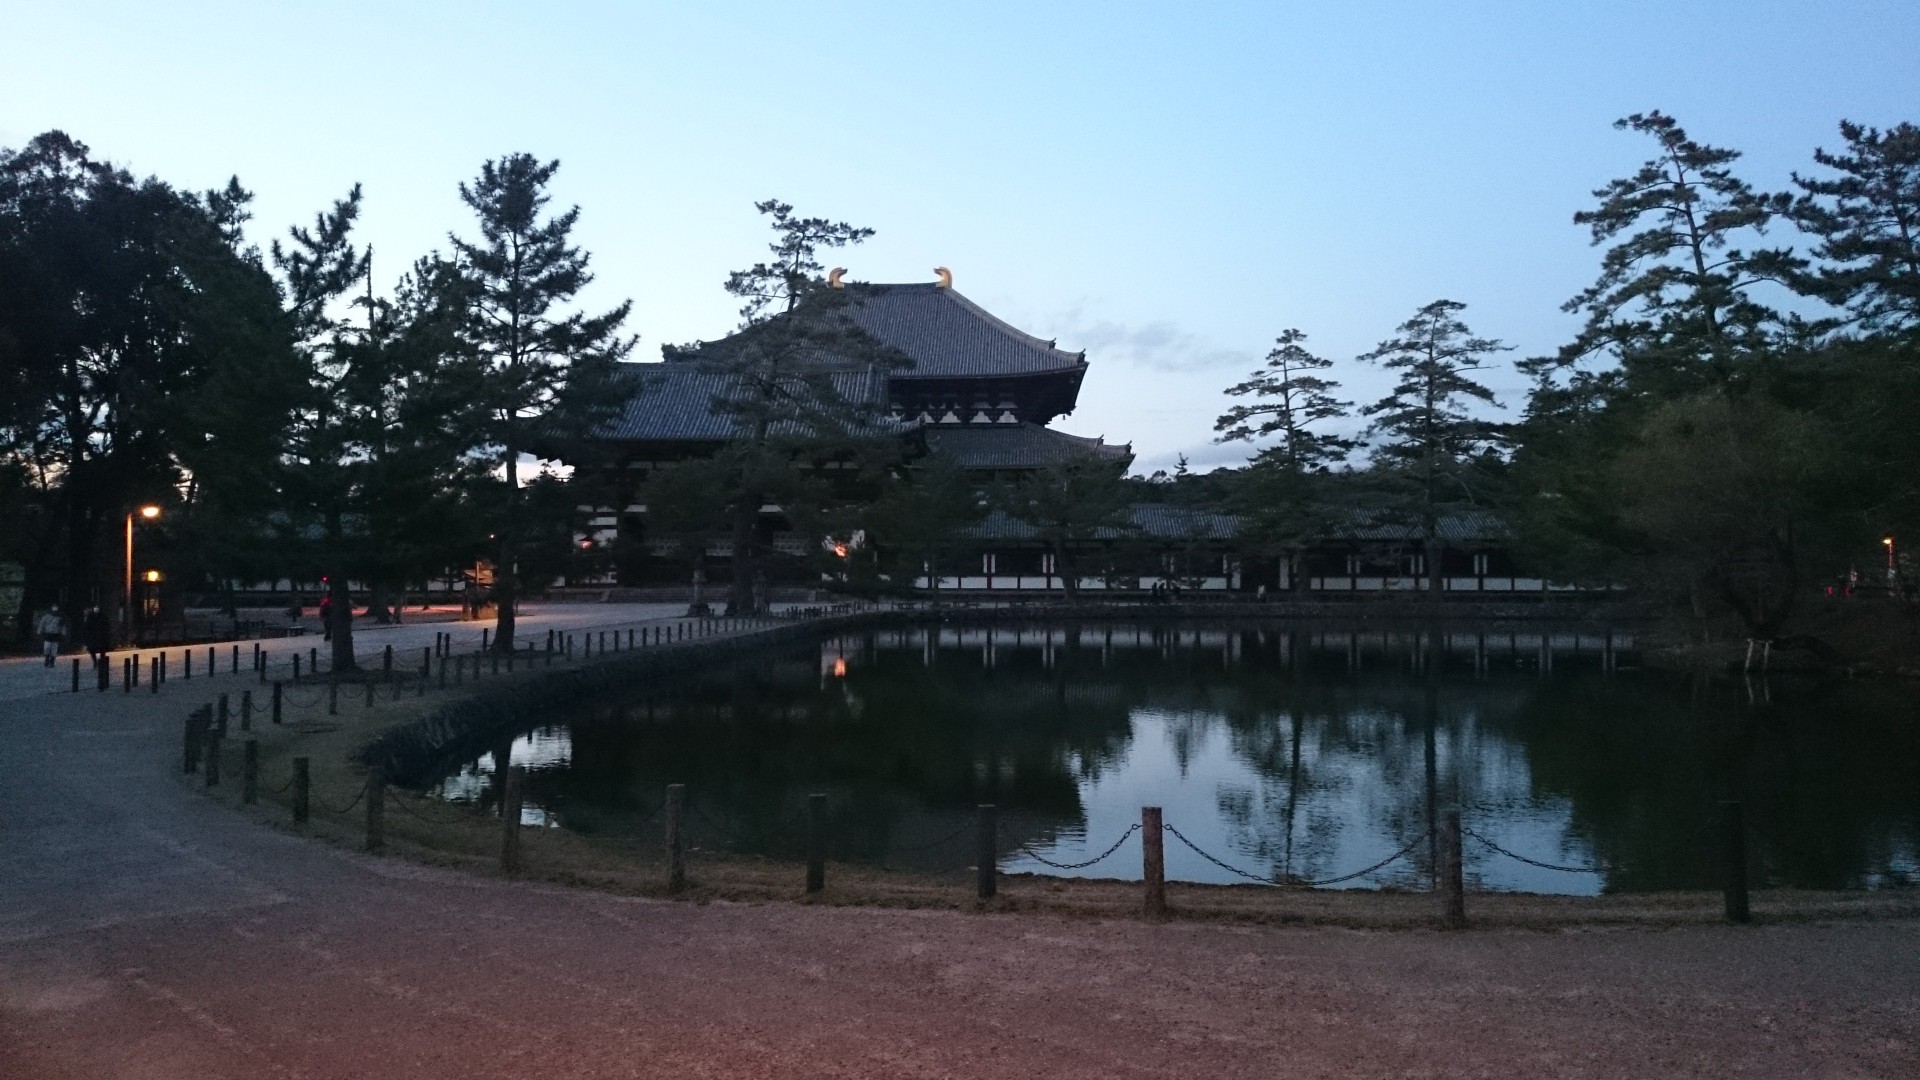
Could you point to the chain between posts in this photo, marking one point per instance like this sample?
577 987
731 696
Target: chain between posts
321 803
1464 831
1293 882
727 836
1037 857
408 809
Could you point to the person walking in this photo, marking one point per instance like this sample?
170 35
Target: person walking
52 628
99 635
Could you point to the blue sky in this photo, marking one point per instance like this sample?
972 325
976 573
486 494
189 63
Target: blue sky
1165 185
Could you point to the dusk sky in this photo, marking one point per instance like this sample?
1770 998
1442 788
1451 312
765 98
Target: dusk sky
1167 186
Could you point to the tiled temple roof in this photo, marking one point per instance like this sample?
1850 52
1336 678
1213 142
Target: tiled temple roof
676 402
949 336
1014 446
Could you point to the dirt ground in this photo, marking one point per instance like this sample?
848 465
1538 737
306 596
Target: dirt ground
149 931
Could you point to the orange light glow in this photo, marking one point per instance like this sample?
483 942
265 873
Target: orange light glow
153 575
149 512
840 550
839 667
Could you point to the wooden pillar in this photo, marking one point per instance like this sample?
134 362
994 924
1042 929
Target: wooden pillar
1453 893
250 772
1733 835
986 851
376 810
676 846
1153 861
512 795
302 790
816 842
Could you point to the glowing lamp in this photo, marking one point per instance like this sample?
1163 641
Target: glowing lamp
153 577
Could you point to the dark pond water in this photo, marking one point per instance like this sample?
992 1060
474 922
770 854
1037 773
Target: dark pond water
1298 751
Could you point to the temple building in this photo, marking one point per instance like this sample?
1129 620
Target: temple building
964 386
971 389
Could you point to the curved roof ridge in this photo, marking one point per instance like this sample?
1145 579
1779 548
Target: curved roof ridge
1008 328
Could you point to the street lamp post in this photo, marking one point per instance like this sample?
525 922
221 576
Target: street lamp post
1888 541
148 513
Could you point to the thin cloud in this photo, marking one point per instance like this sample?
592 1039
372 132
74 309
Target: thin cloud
1161 345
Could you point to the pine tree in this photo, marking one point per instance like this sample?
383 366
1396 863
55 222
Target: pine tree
1867 222
1291 398
1433 447
521 276
1284 489
804 384
1672 305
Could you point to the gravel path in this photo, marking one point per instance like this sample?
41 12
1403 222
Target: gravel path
146 933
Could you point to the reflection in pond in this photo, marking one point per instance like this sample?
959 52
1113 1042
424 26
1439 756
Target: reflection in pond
1288 751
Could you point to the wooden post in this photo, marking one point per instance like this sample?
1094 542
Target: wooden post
246 710
276 701
1453 891
296 667
213 662
263 669
386 662
511 800
1153 862
220 717
816 842
986 851
190 757
126 674
153 676
1733 835
186 667
302 790
483 638
236 661
213 758
256 655
629 639
250 773
376 810
76 674
676 846
161 668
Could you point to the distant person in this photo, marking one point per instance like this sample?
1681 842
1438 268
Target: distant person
294 611
99 635
52 628
326 618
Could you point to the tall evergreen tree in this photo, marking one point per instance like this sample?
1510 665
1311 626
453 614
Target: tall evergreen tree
1673 304
1866 220
544 360
1432 446
1286 483
324 478
802 383
1292 403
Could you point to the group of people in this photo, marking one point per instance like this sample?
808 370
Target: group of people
97 634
